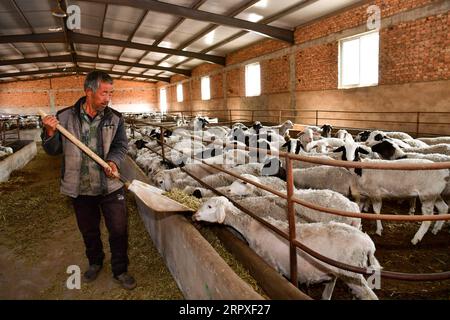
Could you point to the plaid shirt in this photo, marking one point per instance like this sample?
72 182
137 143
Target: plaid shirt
90 181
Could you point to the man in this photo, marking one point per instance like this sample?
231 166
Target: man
92 188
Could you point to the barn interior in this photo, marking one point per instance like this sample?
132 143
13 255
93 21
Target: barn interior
246 109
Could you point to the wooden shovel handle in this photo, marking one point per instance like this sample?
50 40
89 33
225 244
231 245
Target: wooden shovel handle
82 146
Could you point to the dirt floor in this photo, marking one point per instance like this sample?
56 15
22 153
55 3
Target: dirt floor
39 239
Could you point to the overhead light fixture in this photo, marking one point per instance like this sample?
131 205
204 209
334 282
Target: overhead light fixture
59 12
55 29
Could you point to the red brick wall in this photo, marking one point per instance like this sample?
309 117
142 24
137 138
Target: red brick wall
317 68
353 18
409 52
235 82
416 51
275 75
255 50
29 96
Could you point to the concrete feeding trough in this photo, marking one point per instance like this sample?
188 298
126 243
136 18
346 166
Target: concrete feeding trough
200 272
24 151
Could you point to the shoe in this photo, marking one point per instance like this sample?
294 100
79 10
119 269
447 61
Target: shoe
92 273
126 281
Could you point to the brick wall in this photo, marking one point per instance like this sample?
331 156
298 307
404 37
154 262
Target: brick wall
409 51
416 51
26 97
317 68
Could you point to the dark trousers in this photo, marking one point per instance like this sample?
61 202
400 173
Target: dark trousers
114 209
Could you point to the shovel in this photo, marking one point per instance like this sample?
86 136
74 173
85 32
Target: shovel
150 195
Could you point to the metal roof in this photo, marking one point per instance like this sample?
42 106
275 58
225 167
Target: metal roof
148 38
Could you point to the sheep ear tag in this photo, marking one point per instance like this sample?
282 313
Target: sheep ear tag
153 198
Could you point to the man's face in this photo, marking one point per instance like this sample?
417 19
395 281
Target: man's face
100 99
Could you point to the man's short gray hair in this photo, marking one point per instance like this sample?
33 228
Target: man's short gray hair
94 78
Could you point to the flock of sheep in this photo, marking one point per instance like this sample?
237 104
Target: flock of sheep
337 237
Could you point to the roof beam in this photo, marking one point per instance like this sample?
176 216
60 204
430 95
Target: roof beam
88 39
163 7
170 29
127 74
67 34
70 70
82 58
211 27
50 59
297 6
132 64
51 37
29 73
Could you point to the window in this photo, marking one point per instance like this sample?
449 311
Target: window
252 80
205 88
163 100
179 92
358 61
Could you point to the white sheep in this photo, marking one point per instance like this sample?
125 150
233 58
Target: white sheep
437 148
324 177
324 144
398 184
333 240
436 140
242 188
341 134
323 198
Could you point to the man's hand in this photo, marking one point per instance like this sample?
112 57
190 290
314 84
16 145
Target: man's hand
112 170
50 123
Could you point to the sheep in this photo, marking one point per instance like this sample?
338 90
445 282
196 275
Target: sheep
362 136
293 145
437 148
337 179
324 144
326 130
168 180
242 188
341 134
6 150
377 136
324 198
334 240
398 135
258 128
388 150
437 140
377 185
219 132
402 143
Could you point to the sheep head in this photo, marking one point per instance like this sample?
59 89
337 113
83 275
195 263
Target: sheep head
212 210
242 188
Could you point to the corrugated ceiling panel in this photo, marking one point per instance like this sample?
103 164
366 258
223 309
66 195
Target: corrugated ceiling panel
238 43
312 12
185 31
153 26
109 52
137 70
55 49
86 49
7 52
11 23
212 38
220 6
132 55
